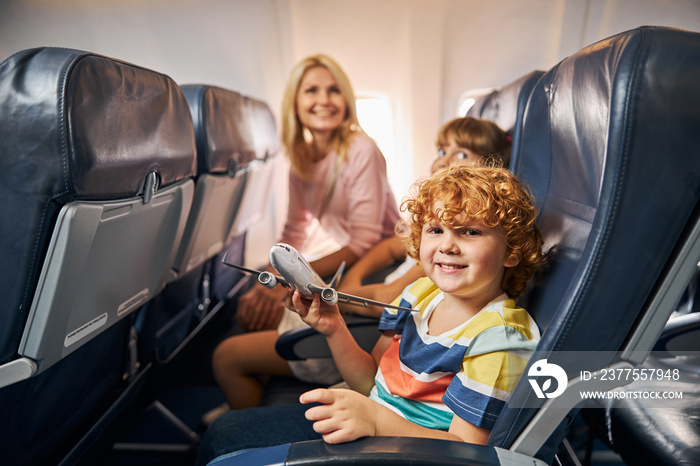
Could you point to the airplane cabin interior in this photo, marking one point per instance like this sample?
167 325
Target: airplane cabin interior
140 151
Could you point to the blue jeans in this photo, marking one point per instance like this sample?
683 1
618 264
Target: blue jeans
255 428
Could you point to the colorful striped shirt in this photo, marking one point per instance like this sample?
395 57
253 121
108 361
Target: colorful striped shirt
470 370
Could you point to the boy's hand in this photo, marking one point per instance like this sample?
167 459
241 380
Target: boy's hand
321 316
344 415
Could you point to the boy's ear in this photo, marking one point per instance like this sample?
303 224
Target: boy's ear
512 260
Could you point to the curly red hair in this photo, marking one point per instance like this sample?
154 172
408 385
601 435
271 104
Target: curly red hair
488 194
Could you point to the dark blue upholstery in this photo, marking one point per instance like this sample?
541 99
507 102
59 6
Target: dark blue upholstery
259 167
59 145
506 106
74 127
224 145
265 138
222 128
610 151
225 148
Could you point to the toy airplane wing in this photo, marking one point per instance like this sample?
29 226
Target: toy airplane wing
264 278
332 296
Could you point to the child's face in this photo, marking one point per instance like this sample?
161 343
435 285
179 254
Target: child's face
468 262
452 154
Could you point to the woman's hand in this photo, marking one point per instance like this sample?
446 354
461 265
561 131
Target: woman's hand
260 308
344 415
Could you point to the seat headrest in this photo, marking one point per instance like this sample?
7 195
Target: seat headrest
265 135
222 128
504 105
91 127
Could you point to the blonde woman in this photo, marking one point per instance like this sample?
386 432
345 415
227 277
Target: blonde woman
337 186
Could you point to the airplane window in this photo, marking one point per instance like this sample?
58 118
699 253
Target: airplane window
376 118
469 98
466 105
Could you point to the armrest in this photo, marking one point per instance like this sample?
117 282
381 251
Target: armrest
381 451
679 335
305 342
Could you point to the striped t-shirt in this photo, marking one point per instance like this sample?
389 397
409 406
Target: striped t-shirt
470 370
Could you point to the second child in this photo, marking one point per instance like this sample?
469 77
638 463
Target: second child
465 140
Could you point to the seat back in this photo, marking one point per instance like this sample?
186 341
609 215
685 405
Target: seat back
260 184
96 159
256 204
505 106
224 151
610 153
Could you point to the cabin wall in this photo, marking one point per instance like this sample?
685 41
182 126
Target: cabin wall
230 43
421 54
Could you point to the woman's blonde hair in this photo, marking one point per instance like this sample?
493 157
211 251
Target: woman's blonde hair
488 194
483 137
293 138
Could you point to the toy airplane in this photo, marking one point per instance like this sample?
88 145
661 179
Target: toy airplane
298 274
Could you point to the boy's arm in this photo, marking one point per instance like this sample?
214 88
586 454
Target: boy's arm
345 415
356 366
468 432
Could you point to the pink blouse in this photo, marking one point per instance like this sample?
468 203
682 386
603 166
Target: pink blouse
362 210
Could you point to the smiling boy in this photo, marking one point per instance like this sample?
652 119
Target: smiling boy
466 343
446 369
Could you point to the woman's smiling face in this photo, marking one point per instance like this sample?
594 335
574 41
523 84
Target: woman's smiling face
320 105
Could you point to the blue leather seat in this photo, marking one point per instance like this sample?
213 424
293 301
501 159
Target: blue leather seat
610 151
96 160
225 150
256 201
267 147
506 106
175 326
